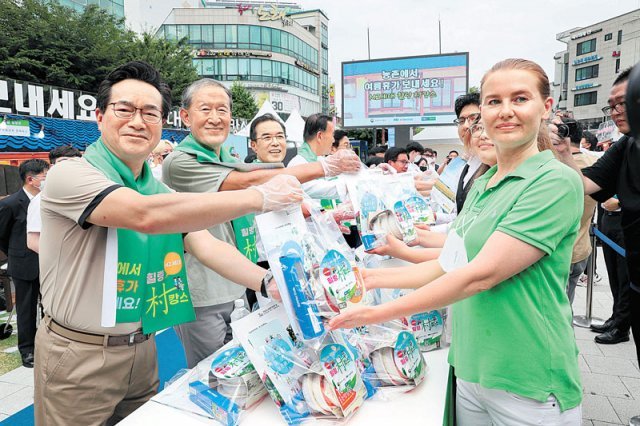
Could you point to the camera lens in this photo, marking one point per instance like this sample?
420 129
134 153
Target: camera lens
563 130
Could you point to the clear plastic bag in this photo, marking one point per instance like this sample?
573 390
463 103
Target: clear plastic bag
429 328
316 272
387 204
396 364
221 387
323 381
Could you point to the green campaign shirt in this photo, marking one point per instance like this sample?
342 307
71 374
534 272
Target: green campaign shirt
518 335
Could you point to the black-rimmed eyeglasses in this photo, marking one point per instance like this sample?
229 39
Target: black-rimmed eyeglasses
127 111
620 107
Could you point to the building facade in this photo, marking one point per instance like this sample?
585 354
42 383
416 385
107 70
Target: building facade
114 7
586 69
277 51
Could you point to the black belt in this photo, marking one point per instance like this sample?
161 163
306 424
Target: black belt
608 213
96 339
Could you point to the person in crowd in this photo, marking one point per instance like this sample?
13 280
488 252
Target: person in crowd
340 141
414 150
373 161
582 246
157 156
616 175
397 158
467 109
430 155
111 252
452 154
377 151
318 140
200 163
34 222
422 163
589 144
23 262
506 269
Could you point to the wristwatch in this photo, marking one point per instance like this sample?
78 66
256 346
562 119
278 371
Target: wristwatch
265 281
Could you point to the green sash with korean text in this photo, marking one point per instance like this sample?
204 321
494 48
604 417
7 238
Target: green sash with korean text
151 277
244 227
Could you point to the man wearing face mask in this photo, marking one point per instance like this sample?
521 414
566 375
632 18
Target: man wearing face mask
23 263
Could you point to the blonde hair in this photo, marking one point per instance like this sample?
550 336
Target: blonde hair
544 141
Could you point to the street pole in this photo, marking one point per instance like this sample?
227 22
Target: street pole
439 37
368 44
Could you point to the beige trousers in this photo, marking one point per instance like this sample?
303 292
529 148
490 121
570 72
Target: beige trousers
82 384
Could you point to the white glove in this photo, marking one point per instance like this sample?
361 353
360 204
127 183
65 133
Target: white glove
280 192
387 169
343 161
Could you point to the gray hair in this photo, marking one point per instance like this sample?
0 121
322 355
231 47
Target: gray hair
190 91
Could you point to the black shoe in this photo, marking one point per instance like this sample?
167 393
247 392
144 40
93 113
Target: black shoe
27 361
612 337
603 328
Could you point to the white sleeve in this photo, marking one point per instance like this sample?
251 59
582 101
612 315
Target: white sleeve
318 188
34 221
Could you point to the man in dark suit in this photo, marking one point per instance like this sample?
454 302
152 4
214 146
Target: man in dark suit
23 263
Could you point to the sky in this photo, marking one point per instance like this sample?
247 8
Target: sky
490 30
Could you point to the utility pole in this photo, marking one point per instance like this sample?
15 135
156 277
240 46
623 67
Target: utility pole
439 36
368 44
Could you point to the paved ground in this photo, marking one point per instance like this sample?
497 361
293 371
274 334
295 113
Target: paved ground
610 373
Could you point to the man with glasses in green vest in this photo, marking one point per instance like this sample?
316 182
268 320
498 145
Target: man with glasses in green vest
112 257
202 163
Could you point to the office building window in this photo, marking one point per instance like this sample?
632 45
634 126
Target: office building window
586 47
587 72
617 65
608 37
253 37
619 37
589 98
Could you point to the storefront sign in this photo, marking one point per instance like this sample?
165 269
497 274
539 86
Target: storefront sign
615 53
17 97
284 102
585 86
12 127
585 33
586 59
306 67
231 53
274 14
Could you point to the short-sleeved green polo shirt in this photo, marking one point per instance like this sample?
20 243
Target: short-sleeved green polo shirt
518 335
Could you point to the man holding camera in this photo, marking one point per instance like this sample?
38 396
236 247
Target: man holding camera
616 172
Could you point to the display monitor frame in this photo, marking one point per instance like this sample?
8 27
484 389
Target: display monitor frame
443 117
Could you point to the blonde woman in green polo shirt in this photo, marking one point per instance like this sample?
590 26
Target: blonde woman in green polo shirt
506 262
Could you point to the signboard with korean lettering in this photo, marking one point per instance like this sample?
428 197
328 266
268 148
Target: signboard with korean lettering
419 90
17 97
12 127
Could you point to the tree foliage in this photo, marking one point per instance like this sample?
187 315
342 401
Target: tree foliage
244 106
172 58
44 42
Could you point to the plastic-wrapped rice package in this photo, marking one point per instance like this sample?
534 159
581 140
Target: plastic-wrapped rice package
387 204
427 327
396 364
222 387
307 383
315 270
